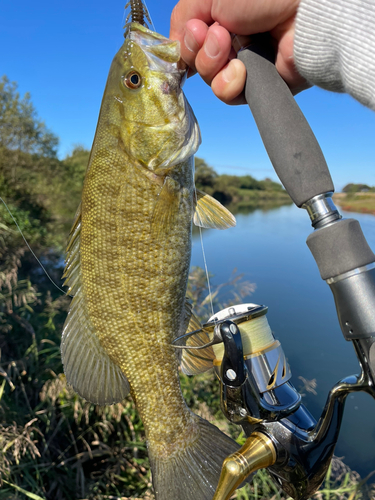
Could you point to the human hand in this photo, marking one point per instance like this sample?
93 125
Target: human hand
203 28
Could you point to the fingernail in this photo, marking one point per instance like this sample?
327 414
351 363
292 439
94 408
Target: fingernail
211 46
190 41
229 73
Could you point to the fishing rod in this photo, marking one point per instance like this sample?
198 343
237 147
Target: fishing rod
256 392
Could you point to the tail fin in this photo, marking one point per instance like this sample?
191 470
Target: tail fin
192 473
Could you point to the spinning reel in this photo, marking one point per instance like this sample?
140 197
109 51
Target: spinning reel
256 393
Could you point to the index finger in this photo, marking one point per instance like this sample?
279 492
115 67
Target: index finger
186 10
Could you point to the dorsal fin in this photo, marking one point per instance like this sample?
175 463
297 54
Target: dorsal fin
72 260
87 366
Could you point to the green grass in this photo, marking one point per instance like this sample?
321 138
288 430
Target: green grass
55 446
359 202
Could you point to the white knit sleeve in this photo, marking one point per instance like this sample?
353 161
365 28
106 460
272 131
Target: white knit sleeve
334 46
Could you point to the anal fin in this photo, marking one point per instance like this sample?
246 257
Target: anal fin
194 361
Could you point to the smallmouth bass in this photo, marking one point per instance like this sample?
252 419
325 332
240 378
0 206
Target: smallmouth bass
128 259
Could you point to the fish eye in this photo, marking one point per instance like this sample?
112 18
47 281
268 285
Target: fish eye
133 80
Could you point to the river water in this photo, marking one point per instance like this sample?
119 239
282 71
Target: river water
268 247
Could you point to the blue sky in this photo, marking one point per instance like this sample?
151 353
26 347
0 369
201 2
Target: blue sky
61 52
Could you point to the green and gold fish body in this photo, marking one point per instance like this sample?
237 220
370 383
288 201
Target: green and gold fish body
139 306
128 261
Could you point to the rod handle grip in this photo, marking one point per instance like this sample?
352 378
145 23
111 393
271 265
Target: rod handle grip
290 143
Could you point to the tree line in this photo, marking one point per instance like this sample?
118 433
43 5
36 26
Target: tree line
233 189
352 188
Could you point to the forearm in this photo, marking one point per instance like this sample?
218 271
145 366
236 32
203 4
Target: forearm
334 46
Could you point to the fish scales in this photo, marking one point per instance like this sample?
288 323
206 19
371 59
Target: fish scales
147 297
128 261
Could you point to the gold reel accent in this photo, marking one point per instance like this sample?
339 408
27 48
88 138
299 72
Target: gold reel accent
258 452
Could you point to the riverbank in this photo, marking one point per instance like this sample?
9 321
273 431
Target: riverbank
248 200
356 202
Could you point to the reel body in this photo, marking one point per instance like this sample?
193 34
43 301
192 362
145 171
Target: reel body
257 394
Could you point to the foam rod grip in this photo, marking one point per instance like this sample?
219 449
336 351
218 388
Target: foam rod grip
287 137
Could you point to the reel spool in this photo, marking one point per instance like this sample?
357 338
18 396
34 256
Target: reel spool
244 349
262 353
253 325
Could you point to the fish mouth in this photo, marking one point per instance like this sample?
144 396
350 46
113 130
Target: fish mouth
162 53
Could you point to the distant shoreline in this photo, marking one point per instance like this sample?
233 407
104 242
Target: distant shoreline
249 200
357 202
253 199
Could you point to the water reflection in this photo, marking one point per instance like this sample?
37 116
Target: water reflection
268 246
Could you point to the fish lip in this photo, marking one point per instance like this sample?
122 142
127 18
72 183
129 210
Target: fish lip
148 40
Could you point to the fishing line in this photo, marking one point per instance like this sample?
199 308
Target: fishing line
206 269
204 260
29 247
148 15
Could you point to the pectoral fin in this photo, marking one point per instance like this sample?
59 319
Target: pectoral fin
211 214
166 208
